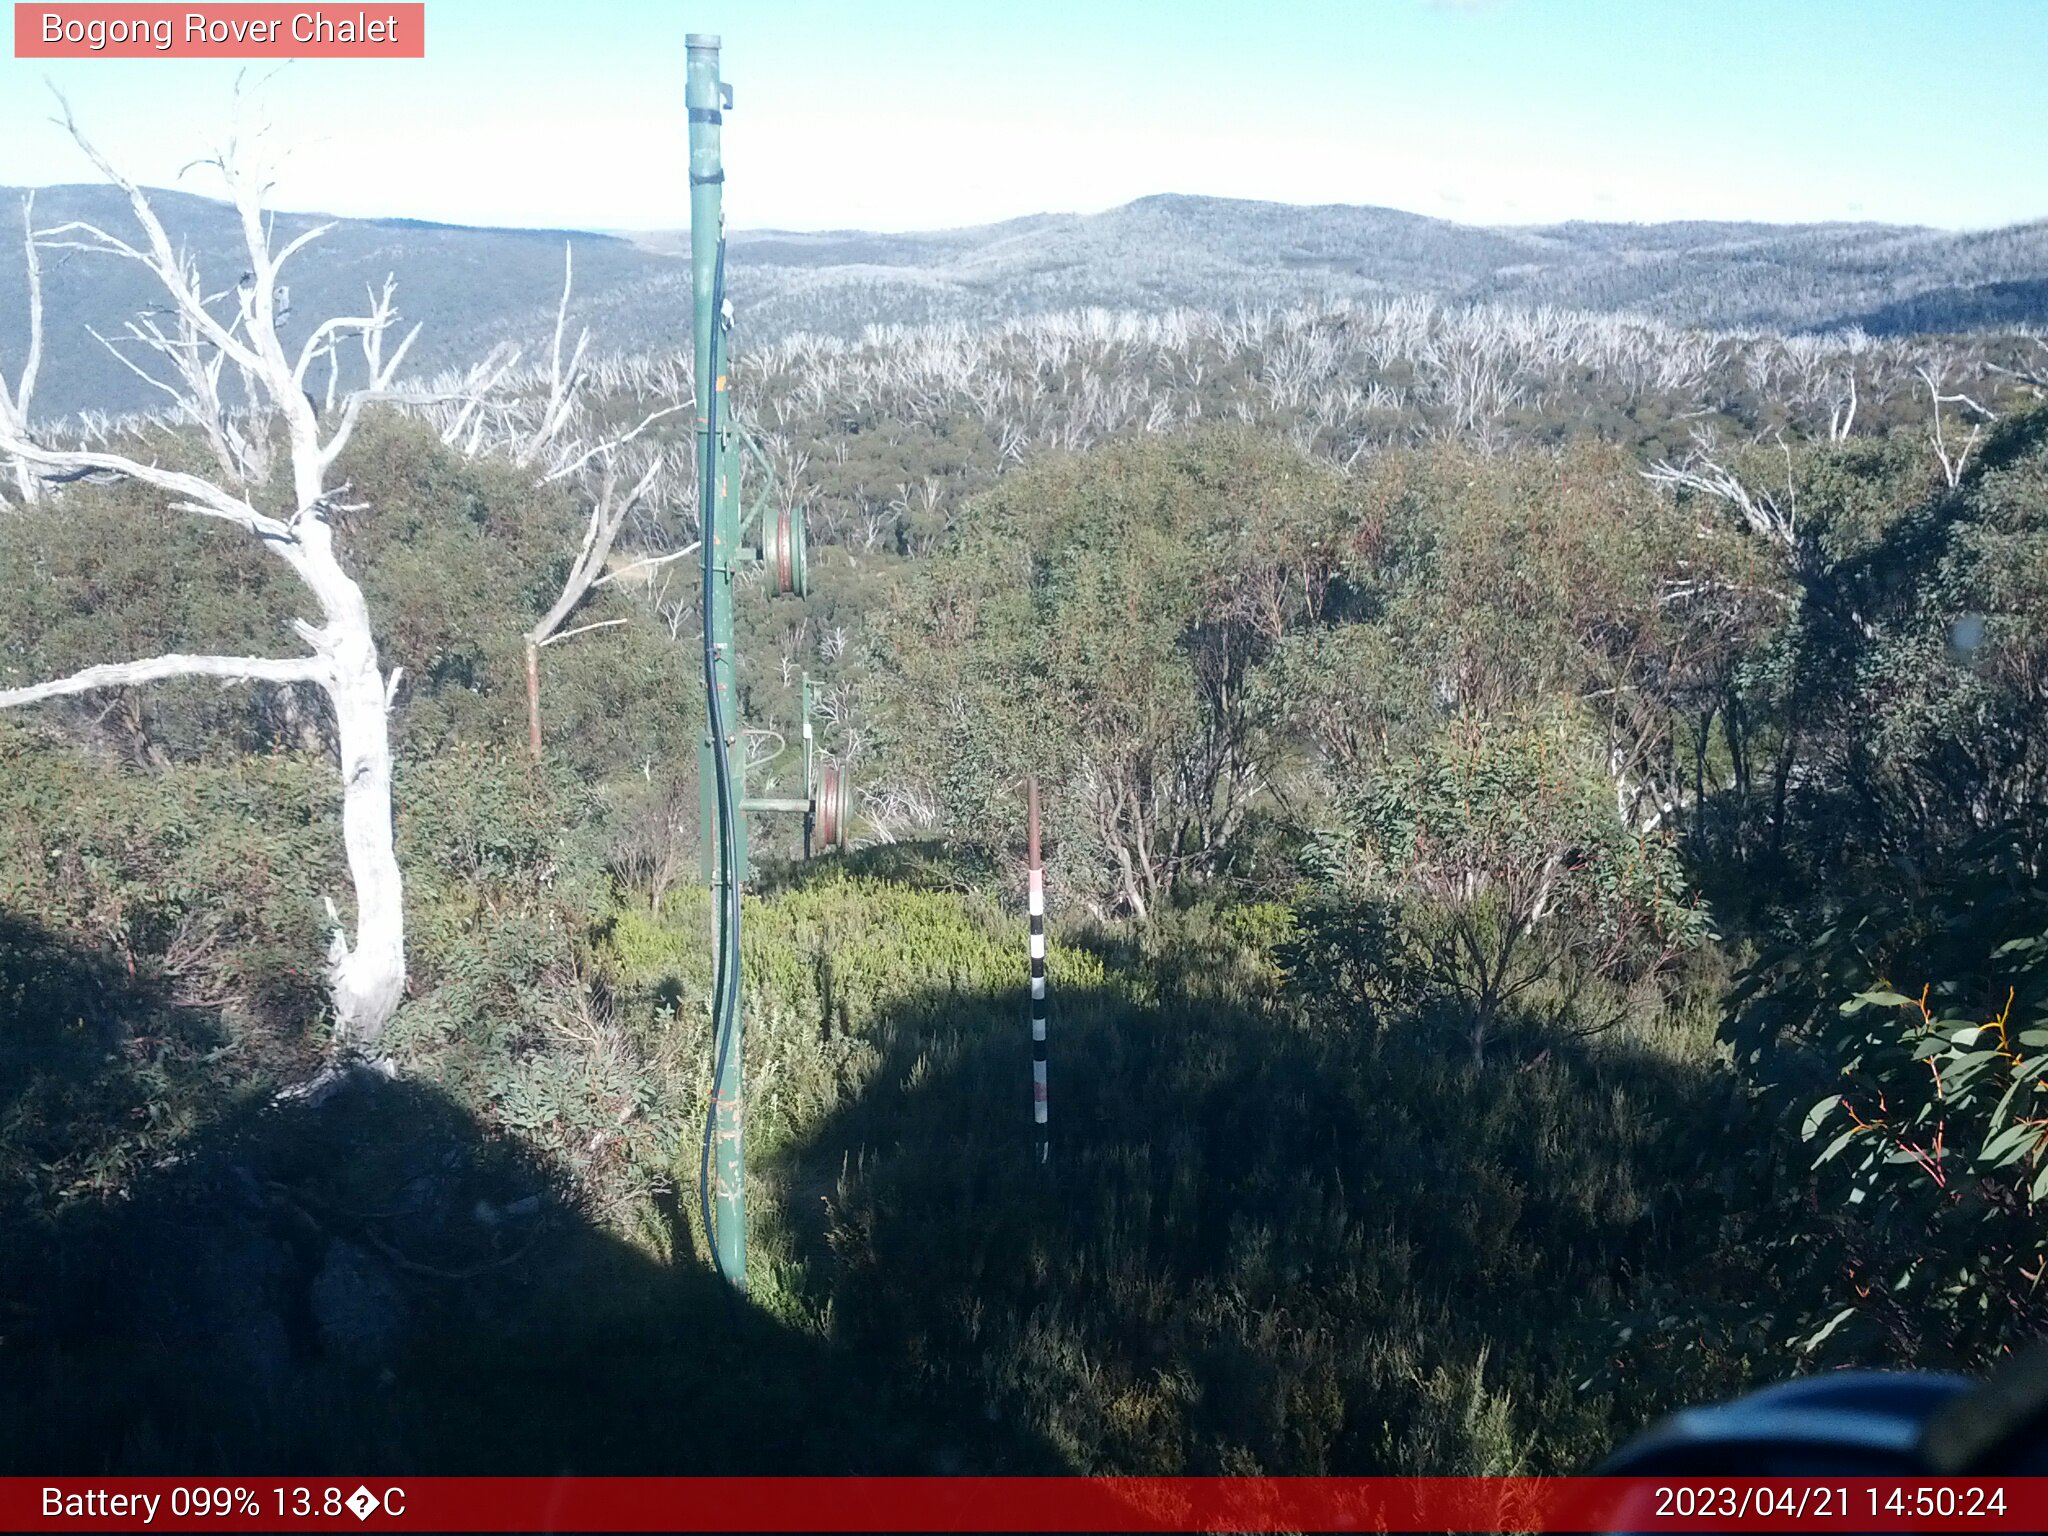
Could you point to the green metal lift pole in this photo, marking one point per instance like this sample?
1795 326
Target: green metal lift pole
706 98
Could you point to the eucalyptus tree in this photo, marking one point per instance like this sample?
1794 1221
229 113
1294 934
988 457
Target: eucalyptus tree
1098 619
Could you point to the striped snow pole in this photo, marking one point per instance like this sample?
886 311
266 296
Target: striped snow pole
1037 901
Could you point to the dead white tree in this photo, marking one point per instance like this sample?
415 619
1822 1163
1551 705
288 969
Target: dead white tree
1841 403
897 812
366 977
1953 459
609 510
553 432
472 397
2034 377
1770 514
14 403
565 386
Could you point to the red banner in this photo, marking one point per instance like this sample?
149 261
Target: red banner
1045 1504
260 31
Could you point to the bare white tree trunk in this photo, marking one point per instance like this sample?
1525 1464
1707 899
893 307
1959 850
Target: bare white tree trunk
607 516
14 404
1953 460
366 977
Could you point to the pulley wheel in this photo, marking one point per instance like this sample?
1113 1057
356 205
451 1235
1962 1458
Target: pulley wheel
786 554
832 810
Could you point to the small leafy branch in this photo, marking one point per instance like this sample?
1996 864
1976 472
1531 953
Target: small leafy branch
1965 1061
1946 1111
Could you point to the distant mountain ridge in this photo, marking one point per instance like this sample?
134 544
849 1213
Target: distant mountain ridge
474 286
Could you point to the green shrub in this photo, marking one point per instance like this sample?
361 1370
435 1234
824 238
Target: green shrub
1920 1014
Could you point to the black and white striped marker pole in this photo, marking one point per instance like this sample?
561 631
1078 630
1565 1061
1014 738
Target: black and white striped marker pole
1037 901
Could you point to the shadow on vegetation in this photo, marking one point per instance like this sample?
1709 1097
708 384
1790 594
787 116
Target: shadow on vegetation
378 1283
1258 1247
1960 308
1262 1247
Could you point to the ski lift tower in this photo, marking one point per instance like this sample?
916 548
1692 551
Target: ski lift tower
737 534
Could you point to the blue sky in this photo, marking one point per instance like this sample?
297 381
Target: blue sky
909 114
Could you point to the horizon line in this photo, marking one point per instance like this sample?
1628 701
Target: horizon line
630 232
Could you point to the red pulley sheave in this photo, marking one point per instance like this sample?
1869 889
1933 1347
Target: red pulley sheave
833 809
783 550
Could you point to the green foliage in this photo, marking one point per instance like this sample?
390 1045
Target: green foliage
1095 622
1859 720
1261 1247
1393 1137
459 557
214 873
1900 977
159 937
212 869
1520 887
118 576
1923 1009
1484 709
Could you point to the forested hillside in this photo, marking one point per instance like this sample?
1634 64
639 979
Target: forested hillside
1544 821
1216 255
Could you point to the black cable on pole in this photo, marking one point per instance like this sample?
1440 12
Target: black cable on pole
725 990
